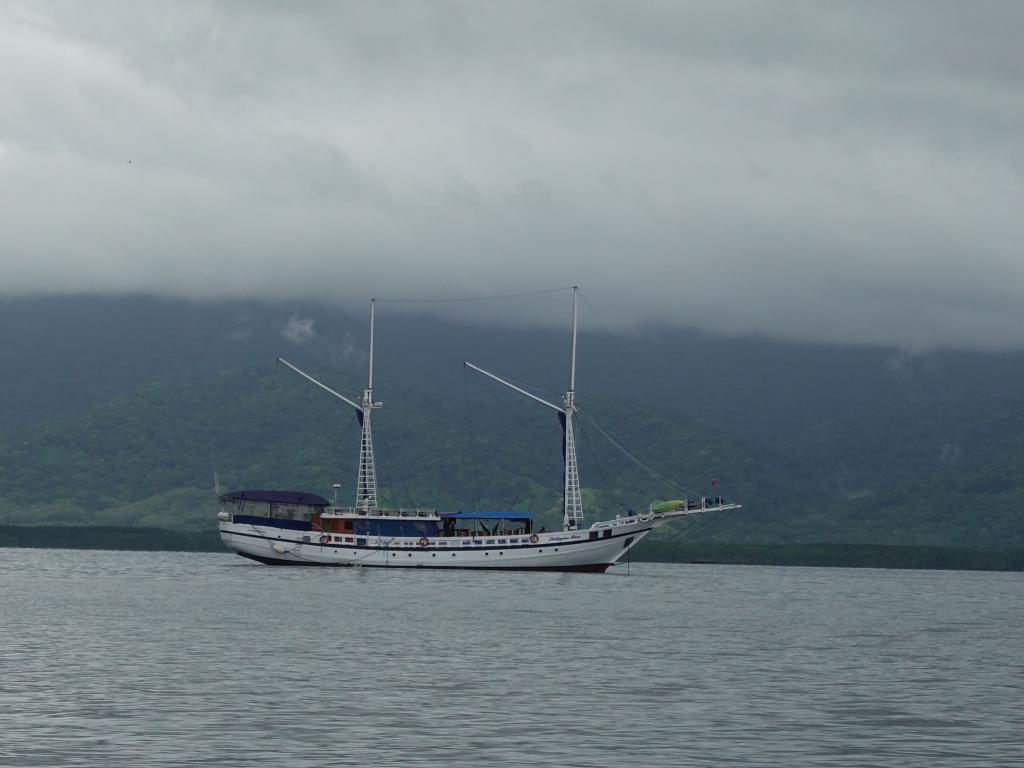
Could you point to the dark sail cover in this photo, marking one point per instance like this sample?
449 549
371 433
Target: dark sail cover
561 420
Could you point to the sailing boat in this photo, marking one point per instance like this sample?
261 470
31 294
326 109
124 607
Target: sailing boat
299 528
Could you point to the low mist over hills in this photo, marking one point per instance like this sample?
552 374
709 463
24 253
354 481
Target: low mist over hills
114 411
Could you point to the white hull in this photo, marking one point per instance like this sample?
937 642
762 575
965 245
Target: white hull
591 549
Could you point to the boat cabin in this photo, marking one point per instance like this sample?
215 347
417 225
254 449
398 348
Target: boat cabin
486 523
420 522
301 511
292 510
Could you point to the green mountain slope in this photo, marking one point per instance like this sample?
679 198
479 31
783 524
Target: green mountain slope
147 458
113 411
931 473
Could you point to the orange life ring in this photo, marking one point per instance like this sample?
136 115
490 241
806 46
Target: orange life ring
534 538
424 541
325 539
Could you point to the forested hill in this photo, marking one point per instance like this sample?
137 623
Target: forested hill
111 411
62 354
147 458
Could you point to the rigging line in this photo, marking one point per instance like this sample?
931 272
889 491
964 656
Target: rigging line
594 313
696 536
687 527
382 442
677 536
600 467
472 436
530 385
682 534
459 300
670 483
353 421
701 526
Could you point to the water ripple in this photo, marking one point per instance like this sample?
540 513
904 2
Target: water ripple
167 659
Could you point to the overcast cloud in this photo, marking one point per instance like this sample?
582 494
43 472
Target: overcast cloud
846 172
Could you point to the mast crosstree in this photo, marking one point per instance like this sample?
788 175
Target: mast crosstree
366 483
572 497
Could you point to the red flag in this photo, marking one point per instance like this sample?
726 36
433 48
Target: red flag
714 481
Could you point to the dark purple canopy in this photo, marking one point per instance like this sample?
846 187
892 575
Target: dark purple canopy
278 497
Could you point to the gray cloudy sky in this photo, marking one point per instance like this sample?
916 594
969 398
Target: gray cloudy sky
813 170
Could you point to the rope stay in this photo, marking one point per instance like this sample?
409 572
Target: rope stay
626 452
462 299
605 477
473 450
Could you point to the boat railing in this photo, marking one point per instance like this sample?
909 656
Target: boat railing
703 503
641 517
388 513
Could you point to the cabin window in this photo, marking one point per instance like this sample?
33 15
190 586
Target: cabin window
608 534
593 535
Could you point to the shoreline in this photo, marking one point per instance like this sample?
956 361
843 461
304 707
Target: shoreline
819 555
832 555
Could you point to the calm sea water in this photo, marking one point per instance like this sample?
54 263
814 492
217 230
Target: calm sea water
140 659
